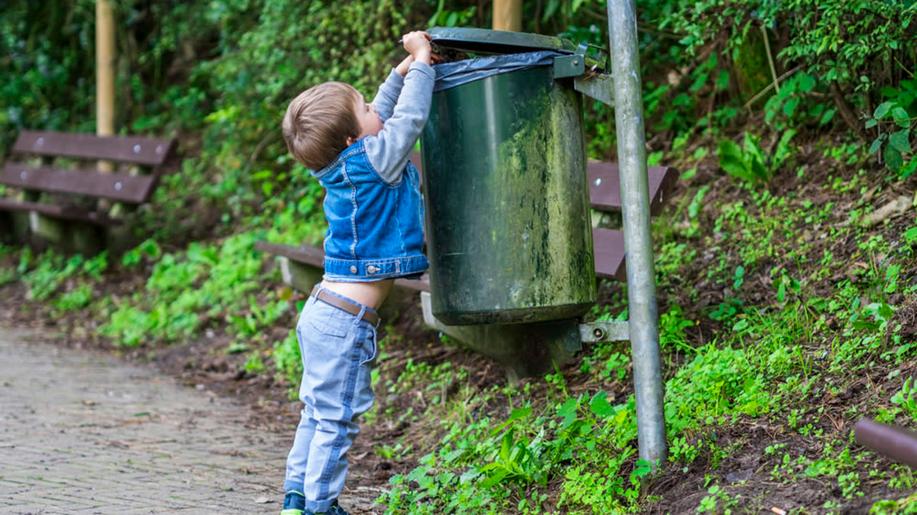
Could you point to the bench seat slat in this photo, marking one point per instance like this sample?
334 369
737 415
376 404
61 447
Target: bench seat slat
125 149
313 256
135 189
608 248
57 211
421 284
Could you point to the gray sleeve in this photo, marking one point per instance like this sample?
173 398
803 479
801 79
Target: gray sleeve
387 96
390 150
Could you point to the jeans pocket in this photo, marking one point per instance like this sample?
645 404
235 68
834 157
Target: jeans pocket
328 320
330 327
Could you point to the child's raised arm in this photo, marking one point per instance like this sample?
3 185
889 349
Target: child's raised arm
387 96
389 150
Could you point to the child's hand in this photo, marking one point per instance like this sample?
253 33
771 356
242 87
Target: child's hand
403 67
417 44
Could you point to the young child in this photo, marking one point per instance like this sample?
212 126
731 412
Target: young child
373 207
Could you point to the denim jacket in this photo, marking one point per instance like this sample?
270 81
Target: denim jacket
372 191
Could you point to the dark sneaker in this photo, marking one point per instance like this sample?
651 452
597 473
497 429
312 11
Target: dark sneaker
294 503
336 509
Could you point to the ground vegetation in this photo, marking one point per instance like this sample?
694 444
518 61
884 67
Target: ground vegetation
786 261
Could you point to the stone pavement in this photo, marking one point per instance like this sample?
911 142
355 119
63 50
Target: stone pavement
81 432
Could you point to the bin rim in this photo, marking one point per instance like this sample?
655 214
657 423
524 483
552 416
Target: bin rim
470 39
457 73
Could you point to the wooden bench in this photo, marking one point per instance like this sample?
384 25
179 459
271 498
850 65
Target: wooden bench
604 196
62 196
301 267
523 349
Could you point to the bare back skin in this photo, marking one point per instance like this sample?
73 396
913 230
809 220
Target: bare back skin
371 294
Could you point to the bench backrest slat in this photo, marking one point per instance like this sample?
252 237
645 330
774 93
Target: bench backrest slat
135 189
124 149
57 211
608 248
605 185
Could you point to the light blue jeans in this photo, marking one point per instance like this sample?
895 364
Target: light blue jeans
337 350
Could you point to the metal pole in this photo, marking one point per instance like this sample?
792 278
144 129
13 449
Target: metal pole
641 283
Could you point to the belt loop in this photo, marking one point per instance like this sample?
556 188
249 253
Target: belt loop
360 314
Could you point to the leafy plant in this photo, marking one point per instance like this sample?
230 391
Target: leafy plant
750 163
792 105
78 298
147 250
288 361
906 398
894 120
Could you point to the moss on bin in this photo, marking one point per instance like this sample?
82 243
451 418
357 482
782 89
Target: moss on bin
510 238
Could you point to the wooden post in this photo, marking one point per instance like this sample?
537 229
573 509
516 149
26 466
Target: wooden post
508 15
105 69
106 59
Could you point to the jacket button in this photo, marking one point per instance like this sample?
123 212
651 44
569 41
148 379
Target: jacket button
372 269
353 269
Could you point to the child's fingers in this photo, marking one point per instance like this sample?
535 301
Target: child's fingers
417 33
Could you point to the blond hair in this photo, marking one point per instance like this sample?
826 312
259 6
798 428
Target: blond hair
319 121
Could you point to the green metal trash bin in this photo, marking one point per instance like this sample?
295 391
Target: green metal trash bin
507 206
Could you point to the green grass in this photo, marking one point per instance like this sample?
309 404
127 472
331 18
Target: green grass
767 358
188 289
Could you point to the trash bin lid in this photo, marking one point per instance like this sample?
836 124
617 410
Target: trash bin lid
496 41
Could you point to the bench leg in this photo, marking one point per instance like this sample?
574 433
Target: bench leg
67 236
47 229
299 276
85 239
19 222
525 350
43 232
7 234
120 238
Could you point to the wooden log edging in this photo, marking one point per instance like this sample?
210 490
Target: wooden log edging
894 442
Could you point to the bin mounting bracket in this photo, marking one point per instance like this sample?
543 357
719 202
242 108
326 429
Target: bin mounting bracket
599 86
596 332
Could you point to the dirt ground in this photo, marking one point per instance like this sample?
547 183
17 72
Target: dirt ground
746 469
203 364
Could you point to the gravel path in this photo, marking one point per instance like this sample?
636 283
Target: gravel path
82 432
